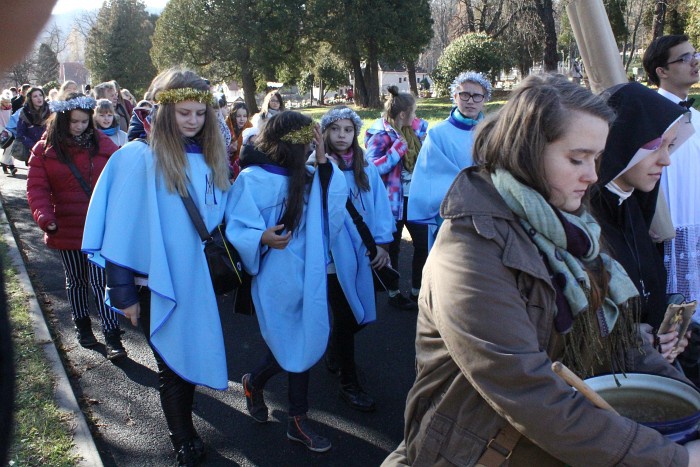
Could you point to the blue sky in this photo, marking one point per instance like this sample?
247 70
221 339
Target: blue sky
66 6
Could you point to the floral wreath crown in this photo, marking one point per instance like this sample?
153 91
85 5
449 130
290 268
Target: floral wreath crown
173 96
303 135
80 102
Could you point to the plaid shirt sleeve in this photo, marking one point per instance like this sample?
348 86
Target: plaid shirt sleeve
383 153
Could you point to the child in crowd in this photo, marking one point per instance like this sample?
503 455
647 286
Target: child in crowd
393 143
107 124
272 104
351 289
63 170
237 121
285 215
6 160
139 229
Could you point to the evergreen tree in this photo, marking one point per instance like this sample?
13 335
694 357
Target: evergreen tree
248 40
118 45
46 64
367 32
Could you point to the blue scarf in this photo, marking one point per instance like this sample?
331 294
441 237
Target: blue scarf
109 131
464 123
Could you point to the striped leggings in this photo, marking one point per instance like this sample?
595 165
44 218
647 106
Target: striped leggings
79 271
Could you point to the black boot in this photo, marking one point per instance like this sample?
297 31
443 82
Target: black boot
5 168
352 393
13 170
83 331
190 452
113 342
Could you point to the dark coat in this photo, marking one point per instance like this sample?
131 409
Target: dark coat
642 116
485 341
626 235
28 132
55 195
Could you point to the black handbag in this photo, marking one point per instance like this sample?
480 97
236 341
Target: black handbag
225 265
19 151
385 276
6 140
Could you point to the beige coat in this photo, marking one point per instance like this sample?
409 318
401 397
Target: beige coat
484 333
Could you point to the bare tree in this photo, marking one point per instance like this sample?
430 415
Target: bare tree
444 14
634 16
84 23
55 38
22 71
659 19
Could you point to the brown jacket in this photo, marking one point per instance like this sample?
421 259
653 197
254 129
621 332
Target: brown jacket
483 339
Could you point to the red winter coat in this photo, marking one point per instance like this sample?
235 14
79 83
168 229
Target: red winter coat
55 195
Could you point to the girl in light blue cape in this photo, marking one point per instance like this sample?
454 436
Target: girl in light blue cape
285 213
139 230
447 150
350 282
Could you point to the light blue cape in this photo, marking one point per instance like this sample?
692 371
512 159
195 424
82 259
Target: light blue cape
135 222
350 254
446 151
289 286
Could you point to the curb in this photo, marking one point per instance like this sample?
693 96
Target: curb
64 396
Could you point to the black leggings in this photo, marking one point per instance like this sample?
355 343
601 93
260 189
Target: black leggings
419 237
344 328
176 394
298 383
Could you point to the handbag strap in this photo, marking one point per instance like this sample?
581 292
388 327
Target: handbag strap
362 229
500 447
196 217
76 173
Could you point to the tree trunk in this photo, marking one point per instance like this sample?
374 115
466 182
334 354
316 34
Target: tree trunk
321 94
360 91
411 68
372 75
659 19
545 11
249 88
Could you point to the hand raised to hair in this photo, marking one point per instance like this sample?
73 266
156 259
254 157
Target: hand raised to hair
320 149
271 239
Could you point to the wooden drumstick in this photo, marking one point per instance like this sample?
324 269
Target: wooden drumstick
574 381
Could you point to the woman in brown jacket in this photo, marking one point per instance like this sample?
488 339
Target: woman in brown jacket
515 281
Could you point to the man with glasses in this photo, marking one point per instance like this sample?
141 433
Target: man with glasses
447 149
672 63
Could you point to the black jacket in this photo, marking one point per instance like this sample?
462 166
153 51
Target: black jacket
642 116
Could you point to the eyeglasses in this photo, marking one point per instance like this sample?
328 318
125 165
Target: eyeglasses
686 58
465 96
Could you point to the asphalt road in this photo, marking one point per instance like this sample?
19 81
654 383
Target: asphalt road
122 403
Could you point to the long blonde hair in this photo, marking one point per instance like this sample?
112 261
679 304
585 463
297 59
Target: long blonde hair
168 144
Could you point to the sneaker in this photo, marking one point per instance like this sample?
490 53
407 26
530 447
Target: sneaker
400 302
356 397
190 453
299 430
254 400
113 343
83 331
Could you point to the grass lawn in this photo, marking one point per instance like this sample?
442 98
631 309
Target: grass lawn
434 110
41 432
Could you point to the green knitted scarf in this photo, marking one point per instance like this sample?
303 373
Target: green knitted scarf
538 218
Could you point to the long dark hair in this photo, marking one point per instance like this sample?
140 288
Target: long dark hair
58 133
36 116
232 116
289 155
